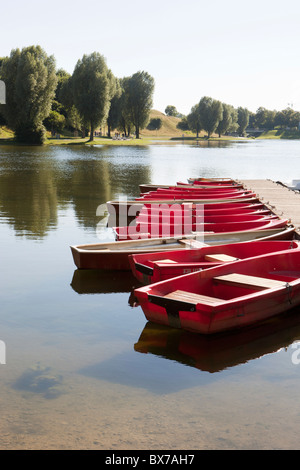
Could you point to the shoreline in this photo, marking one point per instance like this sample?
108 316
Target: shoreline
148 140
127 142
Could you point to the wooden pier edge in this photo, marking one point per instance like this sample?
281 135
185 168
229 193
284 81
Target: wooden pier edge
280 199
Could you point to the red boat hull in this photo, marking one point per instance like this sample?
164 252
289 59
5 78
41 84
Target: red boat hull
196 196
180 218
114 255
227 297
145 188
149 268
146 230
148 212
131 208
200 181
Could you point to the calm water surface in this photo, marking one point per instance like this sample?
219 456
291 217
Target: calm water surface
84 370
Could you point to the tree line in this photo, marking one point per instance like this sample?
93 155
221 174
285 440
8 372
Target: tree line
213 116
40 98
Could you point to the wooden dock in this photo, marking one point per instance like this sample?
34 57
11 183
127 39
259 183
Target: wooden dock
283 201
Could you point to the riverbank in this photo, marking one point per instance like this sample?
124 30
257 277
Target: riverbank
7 138
124 142
286 134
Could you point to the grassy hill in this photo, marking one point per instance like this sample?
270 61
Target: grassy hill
168 128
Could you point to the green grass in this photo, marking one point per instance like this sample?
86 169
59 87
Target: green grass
97 141
280 134
6 133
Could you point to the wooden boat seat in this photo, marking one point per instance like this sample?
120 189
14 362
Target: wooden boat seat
192 243
190 297
165 261
220 257
249 281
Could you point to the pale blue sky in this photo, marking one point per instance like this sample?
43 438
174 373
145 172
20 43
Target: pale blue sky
244 54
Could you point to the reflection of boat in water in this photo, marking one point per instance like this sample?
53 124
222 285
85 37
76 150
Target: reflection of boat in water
219 352
89 281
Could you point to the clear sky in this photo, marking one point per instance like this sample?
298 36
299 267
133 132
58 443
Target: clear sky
242 53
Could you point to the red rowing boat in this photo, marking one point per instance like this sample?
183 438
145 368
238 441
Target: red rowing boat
211 181
154 267
114 255
230 296
145 230
195 190
177 209
180 218
132 207
196 196
144 188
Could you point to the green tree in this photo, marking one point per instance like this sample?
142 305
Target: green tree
211 113
264 118
139 90
55 122
183 125
294 119
154 124
171 111
92 88
62 79
114 115
243 120
228 123
193 120
31 81
123 118
287 118
64 96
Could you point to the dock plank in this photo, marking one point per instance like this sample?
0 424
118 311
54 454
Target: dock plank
281 200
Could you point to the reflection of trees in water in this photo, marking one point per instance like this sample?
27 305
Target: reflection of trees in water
28 198
96 182
33 187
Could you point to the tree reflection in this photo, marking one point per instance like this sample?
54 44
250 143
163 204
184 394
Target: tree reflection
35 183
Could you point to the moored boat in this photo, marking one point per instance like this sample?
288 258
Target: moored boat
198 180
114 255
227 297
153 230
194 210
155 267
131 207
144 188
196 196
196 190
203 217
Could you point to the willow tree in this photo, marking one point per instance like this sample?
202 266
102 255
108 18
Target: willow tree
113 118
211 113
139 90
228 123
243 120
93 88
194 121
30 80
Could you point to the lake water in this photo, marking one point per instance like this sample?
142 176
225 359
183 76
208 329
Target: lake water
83 369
